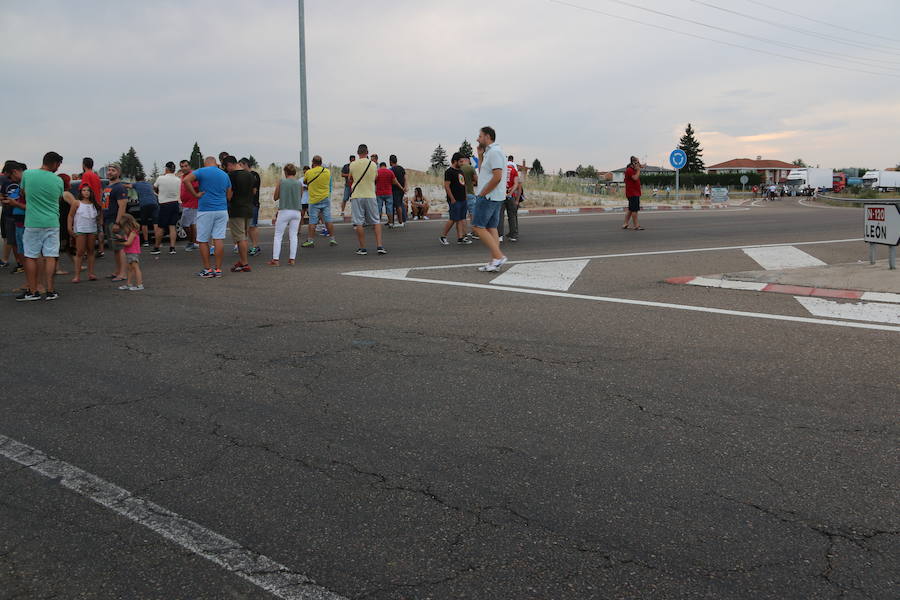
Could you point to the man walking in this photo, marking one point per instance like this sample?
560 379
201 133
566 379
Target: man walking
489 196
399 192
633 193
510 208
168 188
240 210
115 199
212 212
363 207
471 177
345 175
318 182
254 225
189 207
455 187
42 189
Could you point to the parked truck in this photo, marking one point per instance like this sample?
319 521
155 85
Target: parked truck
807 179
882 180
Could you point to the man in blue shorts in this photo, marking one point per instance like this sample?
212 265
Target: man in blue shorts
212 212
42 189
490 196
455 187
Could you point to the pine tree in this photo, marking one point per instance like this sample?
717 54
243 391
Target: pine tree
253 163
439 162
466 149
537 168
196 159
692 149
155 172
131 164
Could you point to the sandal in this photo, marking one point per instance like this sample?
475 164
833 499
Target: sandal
638 228
273 263
92 278
291 262
114 279
625 226
76 280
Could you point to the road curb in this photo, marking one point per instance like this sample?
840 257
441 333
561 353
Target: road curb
779 288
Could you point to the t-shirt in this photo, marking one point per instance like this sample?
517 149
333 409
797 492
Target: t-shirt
12 190
5 182
345 170
188 200
145 193
92 180
457 184
43 190
134 247
110 198
365 185
512 176
169 187
241 204
257 182
400 174
632 187
493 159
468 172
318 179
289 194
384 182
214 183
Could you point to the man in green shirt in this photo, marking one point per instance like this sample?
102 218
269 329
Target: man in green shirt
42 189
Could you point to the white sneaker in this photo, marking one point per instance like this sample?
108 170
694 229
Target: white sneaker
500 239
135 288
444 241
500 262
426 217
124 287
489 268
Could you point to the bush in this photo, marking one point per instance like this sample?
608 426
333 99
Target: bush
868 194
688 180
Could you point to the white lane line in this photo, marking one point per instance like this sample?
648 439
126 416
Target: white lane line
650 253
549 276
727 284
782 257
719 311
880 297
857 311
256 568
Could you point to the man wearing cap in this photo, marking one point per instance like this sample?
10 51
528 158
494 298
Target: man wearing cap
115 202
42 189
168 188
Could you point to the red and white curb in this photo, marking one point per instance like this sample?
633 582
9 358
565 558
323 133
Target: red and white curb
793 290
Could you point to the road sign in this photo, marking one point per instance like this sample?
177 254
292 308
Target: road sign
744 179
678 158
882 224
719 194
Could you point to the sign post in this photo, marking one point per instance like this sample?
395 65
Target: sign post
882 226
744 180
677 159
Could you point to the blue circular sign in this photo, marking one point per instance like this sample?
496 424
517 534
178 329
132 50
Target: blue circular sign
678 158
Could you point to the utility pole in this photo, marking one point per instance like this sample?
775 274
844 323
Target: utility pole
304 133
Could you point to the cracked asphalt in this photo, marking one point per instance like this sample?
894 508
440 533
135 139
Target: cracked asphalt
394 440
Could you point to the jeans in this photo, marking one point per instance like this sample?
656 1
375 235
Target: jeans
386 206
511 208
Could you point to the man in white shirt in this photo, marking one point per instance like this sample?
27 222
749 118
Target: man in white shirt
168 189
490 196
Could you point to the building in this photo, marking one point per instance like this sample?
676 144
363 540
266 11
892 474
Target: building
618 176
771 171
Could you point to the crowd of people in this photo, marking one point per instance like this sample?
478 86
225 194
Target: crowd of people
46 214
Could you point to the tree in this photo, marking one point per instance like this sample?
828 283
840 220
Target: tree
131 164
537 168
253 163
799 163
466 149
155 172
439 160
588 172
196 159
692 149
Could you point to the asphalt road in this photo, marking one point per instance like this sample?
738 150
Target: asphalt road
397 440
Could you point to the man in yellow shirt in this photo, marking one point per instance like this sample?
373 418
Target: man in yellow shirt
318 182
363 208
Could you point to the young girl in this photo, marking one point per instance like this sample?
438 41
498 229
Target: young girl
419 205
84 216
128 230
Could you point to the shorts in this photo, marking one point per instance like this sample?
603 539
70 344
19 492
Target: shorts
347 190
364 211
238 227
386 204
41 241
188 216
322 209
168 215
8 228
486 214
149 214
86 232
20 239
132 258
634 203
255 221
470 203
398 200
211 225
458 210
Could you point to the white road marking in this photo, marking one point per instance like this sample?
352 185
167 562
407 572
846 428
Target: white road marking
256 568
703 309
549 276
880 297
856 311
727 284
782 257
382 273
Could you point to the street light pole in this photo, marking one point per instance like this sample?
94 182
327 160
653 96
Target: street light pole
304 130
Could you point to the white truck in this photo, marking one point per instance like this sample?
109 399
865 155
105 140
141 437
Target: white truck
807 179
882 180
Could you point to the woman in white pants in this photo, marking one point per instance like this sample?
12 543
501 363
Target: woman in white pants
287 216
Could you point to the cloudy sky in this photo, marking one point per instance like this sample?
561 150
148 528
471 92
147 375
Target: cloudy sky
560 83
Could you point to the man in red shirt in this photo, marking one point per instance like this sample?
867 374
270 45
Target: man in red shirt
633 193
385 181
90 179
510 208
189 205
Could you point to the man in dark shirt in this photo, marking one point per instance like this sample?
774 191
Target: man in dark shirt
115 202
240 209
9 194
399 192
254 225
345 174
455 187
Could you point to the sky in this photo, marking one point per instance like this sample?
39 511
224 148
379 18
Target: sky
559 83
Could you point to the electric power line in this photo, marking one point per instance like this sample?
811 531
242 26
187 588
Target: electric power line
722 42
838 27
